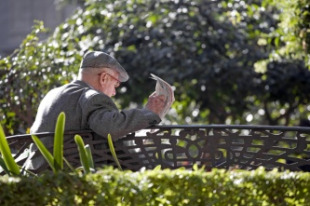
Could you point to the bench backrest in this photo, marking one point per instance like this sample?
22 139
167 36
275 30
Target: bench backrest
211 146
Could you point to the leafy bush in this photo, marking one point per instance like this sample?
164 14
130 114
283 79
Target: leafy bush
159 187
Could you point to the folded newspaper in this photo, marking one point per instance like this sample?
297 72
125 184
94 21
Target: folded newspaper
163 88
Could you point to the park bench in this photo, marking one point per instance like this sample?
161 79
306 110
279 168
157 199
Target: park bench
211 146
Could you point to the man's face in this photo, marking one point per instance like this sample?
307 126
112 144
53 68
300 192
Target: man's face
110 83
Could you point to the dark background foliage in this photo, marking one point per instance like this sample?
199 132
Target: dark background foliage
229 61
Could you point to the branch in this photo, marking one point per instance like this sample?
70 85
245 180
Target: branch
287 113
267 114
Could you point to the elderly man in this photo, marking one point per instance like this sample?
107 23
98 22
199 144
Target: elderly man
87 103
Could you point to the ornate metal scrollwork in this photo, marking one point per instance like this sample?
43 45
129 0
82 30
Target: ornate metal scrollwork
220 146
209 146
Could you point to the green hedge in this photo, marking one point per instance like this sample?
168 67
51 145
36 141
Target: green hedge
159 187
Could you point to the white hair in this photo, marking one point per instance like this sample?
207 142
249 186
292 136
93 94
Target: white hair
92 71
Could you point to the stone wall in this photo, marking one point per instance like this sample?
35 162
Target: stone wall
17 18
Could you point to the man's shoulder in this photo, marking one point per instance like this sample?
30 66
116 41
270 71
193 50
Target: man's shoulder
70 90
94 95
74 87
90 95
91 100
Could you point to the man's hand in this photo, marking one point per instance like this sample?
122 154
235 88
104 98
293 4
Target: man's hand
156 103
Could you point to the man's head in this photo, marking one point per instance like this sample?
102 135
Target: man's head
102 72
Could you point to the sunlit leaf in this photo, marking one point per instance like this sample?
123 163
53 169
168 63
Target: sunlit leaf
112 150
7 155
59 141
44 151
89 156
83 154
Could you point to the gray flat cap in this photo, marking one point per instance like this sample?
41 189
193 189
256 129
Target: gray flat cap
98 59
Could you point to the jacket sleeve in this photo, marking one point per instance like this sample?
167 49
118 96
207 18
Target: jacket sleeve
104 118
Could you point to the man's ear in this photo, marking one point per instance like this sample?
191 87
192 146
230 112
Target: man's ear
102 78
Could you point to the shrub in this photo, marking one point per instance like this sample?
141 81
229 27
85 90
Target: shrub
110 186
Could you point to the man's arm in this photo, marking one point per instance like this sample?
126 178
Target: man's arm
104 118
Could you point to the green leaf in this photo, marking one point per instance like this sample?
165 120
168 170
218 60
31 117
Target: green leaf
46 154
68 164
59 141
7 155
111 146
157 168
195 167
89 156
83 154
3 166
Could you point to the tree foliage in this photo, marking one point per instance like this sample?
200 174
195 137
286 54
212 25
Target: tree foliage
229 61
293 32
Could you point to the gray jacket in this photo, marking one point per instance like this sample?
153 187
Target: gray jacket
85 109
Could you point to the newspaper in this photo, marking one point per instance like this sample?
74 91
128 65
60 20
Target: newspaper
163 88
